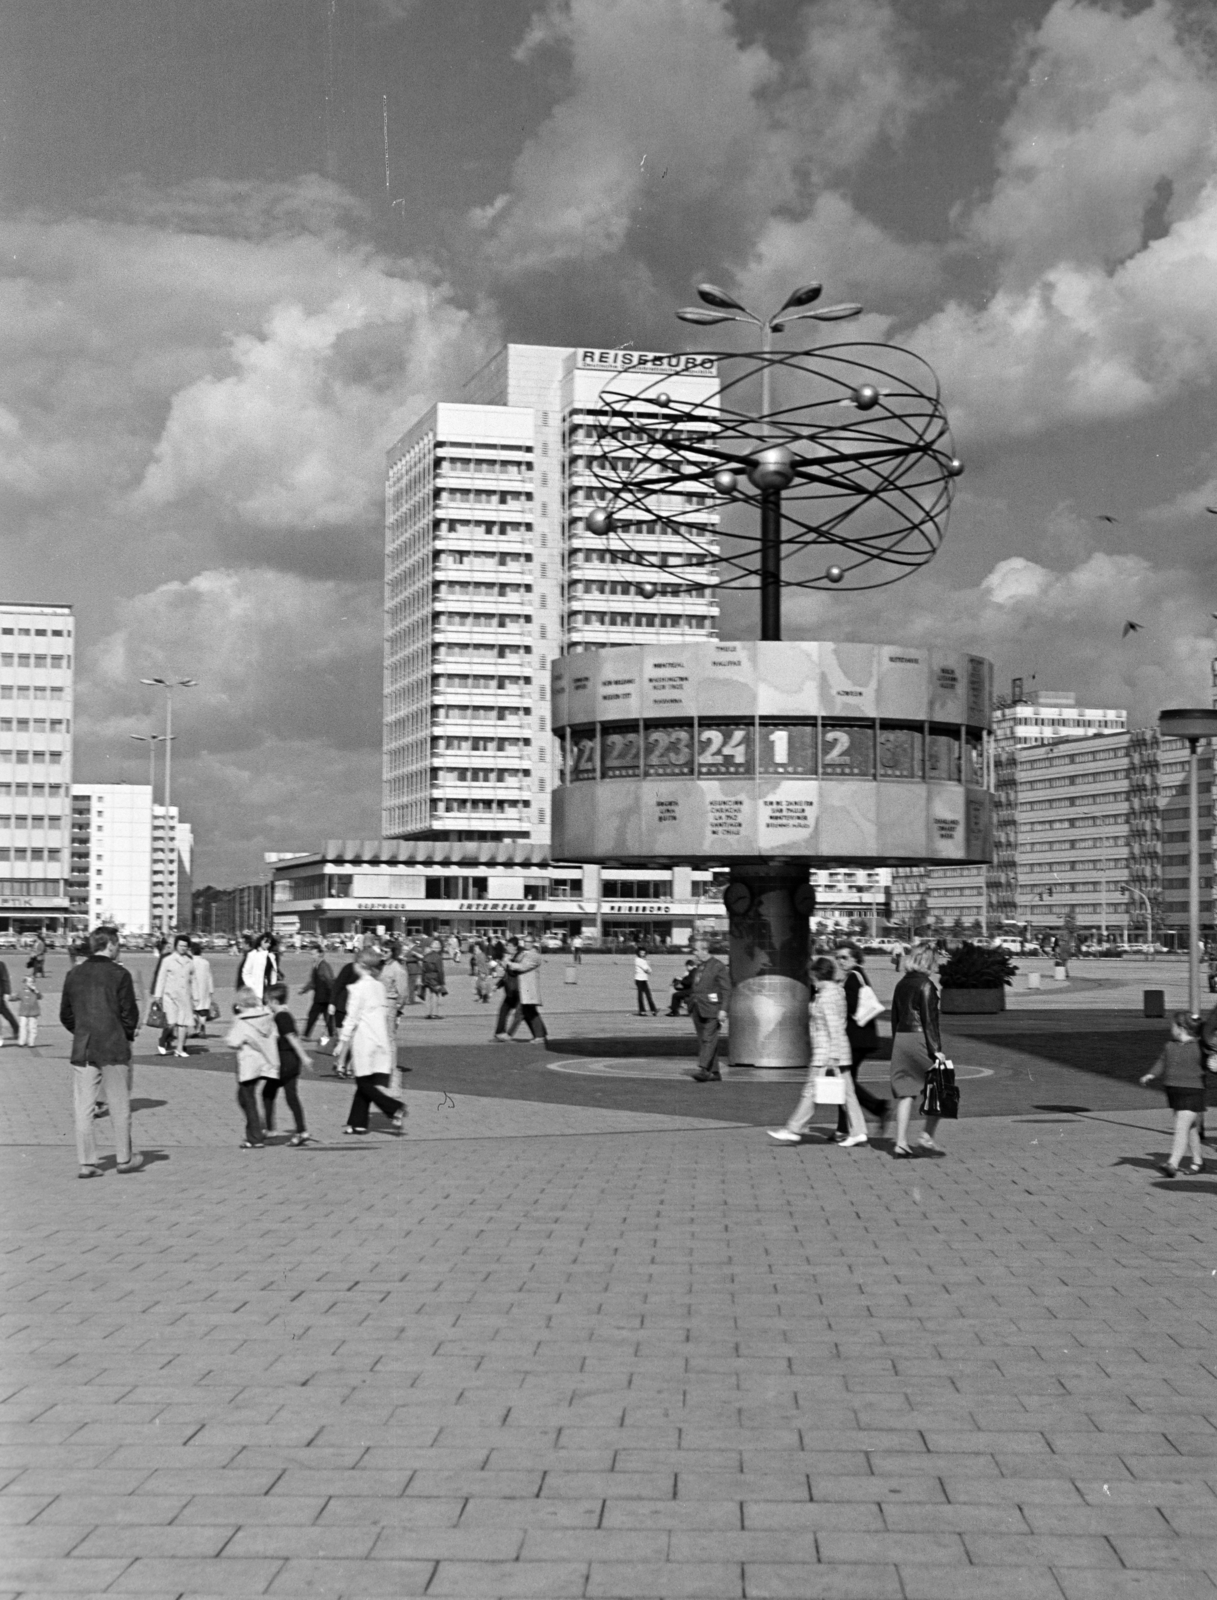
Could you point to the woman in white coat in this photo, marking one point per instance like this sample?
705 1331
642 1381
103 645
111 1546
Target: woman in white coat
204 988
365 1042
829 1048
174 989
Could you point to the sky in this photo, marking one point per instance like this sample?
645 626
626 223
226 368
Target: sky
225 292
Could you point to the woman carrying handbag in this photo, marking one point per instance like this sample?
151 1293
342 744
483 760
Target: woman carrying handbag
916 1046
828 1078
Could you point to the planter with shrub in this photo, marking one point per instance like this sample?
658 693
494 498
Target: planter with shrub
974 979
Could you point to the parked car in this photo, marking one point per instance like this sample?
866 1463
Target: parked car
552 941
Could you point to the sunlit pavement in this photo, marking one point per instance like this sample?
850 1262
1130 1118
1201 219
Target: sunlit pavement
592 1333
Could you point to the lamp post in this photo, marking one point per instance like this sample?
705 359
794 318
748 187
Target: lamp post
1149 915
1192 725
168 685
772 469
151 740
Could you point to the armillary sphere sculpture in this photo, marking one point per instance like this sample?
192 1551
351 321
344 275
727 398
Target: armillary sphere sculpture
848 457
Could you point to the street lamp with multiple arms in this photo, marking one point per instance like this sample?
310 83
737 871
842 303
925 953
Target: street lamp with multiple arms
168 685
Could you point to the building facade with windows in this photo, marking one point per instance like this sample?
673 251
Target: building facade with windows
130 860
1049 714
36 693
1092 834
490 571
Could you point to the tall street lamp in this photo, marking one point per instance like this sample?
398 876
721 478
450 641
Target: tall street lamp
168 685
151 740
1193 725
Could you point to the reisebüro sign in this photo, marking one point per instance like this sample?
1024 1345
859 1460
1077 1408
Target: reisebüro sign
648 360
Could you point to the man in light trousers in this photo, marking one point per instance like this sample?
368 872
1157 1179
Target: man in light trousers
99 1010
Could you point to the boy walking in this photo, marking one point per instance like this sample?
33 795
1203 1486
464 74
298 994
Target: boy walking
29 1009
254 1037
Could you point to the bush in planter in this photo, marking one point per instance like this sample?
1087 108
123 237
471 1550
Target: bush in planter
974 978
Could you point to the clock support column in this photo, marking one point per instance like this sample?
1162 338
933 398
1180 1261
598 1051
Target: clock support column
768 907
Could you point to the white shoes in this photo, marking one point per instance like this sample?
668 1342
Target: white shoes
854 1138
784 1136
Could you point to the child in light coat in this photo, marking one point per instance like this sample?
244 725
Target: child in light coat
255 1039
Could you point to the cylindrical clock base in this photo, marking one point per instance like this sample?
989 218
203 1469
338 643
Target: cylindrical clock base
768 910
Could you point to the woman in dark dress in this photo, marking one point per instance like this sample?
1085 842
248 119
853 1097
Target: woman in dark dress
916 1043
863 1039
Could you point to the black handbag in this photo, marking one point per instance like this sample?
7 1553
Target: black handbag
940 1096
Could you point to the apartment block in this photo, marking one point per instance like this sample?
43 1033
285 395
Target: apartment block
129 858
36 683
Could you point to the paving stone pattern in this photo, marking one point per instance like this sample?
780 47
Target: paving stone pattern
644 1360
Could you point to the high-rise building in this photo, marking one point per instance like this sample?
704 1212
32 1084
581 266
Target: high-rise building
490 571
36 679
130 865
1048 714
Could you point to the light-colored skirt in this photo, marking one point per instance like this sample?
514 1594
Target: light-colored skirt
910 1063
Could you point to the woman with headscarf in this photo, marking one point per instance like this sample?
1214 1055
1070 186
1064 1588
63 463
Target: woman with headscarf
916 1044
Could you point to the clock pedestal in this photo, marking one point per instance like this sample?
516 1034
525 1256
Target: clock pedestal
768 906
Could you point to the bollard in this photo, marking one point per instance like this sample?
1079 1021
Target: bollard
1033 980
1155 1002
571 975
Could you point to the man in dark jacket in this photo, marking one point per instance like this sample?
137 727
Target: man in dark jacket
6 988
98 1009
708 996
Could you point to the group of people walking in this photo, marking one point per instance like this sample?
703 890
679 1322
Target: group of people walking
844 1033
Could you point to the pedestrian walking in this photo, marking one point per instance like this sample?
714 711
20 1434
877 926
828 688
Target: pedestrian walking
507 980
364 1042
29 1009
293 1058
1181 1070
413 963
99 1010
863 1039
36 965
348 974
709 996
479 963
5 995
576 950
642 983
434 982
203 983
320 984
174 988
393 976
526 964
255 1038
829 1053
260 965
916 1045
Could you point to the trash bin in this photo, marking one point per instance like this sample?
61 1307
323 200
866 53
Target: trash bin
1155 1002
570 975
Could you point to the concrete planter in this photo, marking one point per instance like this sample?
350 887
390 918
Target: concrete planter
972 1001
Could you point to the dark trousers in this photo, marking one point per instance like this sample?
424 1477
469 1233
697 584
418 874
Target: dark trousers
867 1100
707 1030
270 1088
247 1099
577 957
411 987
370 1091
645 997
510 1005
8 1016
679 999
532 1016
318 1009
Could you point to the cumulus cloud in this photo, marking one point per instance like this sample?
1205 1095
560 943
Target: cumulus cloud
1091 319
1064 625
676 142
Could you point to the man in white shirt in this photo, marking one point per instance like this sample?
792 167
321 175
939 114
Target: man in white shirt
365 1042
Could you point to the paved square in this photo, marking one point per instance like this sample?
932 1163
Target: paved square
544 1349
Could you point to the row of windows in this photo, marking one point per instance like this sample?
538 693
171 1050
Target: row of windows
21 853
53 819
468 807
26 691
508 775
793 747
628 619
39 757
56 663
35 725
34 789
37 633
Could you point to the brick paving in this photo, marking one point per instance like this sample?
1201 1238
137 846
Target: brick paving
546 1349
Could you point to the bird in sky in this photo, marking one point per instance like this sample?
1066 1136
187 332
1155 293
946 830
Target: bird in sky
1131 627
1105 516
